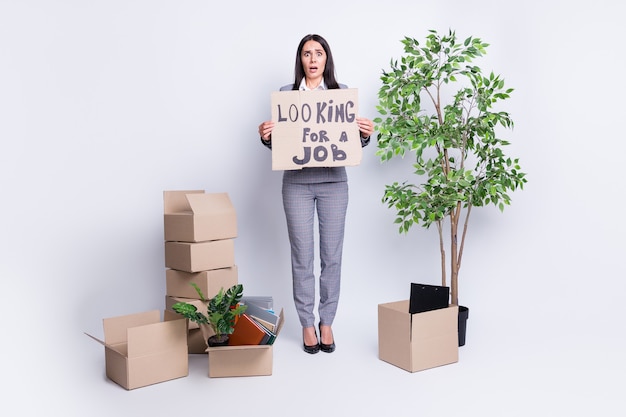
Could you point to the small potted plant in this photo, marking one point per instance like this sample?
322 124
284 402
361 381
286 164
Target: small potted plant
439 107
221 315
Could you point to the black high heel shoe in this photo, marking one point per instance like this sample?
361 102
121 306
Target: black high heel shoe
324 347
312 349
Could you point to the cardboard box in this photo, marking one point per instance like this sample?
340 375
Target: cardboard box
250 360
419 341
178 283
170 301
330 134
142 350
229 361
196 342
194 216
200 256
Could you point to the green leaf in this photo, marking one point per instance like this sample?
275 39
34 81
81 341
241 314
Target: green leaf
436 107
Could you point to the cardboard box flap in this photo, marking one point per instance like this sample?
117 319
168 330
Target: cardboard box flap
176 201
198 216
235 348
115 329
96 339
217 203
157 337
281 322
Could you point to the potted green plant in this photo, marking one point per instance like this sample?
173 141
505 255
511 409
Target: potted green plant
435 104
222 312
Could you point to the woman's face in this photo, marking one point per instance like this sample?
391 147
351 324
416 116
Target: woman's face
313 59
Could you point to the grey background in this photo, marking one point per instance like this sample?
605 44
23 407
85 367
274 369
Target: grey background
105 104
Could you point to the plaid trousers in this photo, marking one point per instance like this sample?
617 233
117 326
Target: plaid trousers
301 202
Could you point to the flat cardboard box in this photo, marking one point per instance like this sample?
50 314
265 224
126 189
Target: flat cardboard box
142 350
196 216
250 360
178 283
200 256
415 342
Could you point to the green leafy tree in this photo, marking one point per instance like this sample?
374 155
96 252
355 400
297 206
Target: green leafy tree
459 157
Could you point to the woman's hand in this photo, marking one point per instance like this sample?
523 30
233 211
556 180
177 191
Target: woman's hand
265 130
366 126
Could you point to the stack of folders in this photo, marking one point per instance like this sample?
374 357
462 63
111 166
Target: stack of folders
259 325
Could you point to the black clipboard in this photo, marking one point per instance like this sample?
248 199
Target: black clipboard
426 297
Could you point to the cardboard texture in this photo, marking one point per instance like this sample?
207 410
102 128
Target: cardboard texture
178 283
142 350
231 361
315 129
415 342
200 256
196 342
249 360
170 301
195 216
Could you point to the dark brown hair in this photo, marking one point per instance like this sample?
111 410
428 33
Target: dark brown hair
329 70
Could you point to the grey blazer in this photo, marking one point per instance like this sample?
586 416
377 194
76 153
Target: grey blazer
314 175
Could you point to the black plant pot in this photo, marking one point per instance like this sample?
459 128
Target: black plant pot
463 316
215 341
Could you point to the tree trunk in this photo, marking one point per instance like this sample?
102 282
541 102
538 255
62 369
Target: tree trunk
442 251
454 255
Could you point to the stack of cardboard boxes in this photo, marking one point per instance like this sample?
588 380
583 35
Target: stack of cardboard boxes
199 231
141 349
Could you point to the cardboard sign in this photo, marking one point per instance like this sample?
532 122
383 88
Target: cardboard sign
315 129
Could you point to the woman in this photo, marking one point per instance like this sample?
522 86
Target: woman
310 189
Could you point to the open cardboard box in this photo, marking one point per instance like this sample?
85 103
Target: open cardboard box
249 360
178 283
200 256
195 216
141 350
419 341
